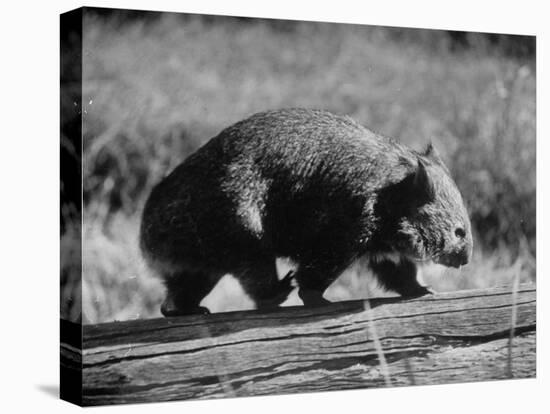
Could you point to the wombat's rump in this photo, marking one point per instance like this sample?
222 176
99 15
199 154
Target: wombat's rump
309 185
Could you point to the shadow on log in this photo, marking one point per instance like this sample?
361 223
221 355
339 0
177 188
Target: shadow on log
446 338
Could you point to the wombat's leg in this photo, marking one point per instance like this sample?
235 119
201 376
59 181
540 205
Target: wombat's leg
398 276
185 290
260 281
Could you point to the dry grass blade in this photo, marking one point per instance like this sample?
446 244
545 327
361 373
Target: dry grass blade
515 287
410 373
223 379
377 344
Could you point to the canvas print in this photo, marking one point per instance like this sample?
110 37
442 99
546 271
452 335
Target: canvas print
252 206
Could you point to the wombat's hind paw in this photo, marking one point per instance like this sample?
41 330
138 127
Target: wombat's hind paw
168 310
284 287
286 283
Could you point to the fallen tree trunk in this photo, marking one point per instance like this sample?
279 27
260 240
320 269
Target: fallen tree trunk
445 338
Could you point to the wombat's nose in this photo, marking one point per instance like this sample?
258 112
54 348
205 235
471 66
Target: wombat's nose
457 258
464 256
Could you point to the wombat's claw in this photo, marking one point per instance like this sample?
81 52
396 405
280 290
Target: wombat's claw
429 290
279 293
284 287
286 281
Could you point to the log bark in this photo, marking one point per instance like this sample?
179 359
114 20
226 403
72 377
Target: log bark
444 338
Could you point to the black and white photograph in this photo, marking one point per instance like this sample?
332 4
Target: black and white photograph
261 206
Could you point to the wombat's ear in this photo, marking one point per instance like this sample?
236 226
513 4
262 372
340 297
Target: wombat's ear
405 196
423 184
432 154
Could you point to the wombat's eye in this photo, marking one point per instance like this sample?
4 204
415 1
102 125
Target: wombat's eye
460 232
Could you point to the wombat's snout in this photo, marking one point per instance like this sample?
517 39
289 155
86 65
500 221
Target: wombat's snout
456 258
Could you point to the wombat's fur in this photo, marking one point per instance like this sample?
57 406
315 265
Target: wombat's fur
308 185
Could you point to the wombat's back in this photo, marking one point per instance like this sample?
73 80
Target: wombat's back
299 138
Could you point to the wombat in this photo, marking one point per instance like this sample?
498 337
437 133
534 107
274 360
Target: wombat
308 185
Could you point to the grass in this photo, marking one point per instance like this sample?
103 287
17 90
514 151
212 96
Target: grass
156 90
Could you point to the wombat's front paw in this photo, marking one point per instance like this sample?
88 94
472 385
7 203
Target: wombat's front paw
419 291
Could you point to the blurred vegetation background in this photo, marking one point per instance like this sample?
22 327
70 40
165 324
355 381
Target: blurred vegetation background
158 86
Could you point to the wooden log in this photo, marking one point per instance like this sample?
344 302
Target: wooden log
445 338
